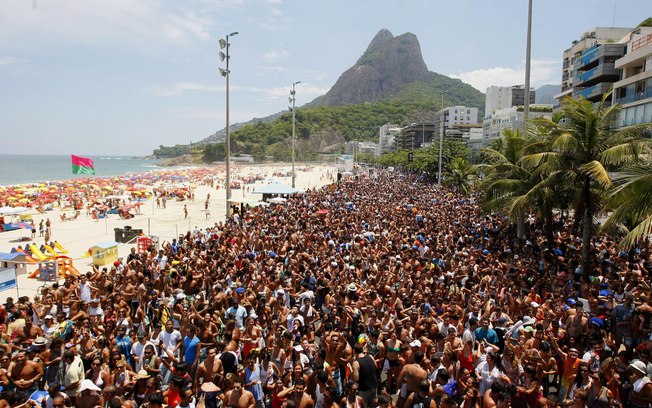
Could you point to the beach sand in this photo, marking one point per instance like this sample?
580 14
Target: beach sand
77 236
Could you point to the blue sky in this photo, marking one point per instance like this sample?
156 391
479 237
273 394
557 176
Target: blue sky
123 76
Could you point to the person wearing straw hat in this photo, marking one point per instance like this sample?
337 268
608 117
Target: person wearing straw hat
640 394
140 386
88 394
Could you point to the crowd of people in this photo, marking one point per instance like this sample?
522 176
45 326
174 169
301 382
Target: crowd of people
384 291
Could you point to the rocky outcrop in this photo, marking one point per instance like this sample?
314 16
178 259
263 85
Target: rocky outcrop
388 64
183 160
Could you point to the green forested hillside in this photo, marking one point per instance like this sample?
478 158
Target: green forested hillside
418 101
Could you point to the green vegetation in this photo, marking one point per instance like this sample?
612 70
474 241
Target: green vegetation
171 151
213 152
416 102
564 165
425 160
646 23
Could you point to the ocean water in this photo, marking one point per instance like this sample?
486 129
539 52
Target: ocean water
21 169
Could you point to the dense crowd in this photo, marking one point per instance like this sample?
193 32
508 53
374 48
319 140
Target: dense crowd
386 291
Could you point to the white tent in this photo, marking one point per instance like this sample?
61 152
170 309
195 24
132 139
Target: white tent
275 189
12 210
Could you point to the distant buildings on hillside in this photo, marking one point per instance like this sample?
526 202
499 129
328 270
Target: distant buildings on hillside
601 60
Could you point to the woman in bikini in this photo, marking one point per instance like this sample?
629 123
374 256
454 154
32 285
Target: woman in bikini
99 373
250 337
392 359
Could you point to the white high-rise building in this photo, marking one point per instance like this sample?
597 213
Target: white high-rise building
387 133
502 97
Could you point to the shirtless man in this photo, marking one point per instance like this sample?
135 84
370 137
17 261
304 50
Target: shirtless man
297 395
27 333
239 397
410 377
577 325
338 353
209 369
25 374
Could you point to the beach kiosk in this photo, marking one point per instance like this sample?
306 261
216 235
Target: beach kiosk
104 253
18 260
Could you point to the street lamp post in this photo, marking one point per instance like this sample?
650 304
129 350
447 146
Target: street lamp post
224 43
441 138
528 47
293 99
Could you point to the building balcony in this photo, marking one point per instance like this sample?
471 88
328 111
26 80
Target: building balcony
635 97
594 92
601 73
591 56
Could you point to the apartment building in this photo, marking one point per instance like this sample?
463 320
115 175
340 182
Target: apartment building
587 67
634 89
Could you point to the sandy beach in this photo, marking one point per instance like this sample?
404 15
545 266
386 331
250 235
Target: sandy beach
78 235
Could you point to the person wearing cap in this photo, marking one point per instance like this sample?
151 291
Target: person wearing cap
238 311
640 393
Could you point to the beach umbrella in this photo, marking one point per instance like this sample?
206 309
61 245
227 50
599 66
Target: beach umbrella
20 225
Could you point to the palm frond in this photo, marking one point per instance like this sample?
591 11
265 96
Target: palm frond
597 172
642 230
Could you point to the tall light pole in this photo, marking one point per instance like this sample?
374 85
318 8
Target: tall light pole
224 43
441 138
293 99
526 104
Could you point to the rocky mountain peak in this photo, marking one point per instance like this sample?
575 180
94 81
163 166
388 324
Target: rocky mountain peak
381 38
387 66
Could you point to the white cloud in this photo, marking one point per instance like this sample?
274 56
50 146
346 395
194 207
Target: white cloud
183 88
273 55
128 22
542 72
7 60
305 92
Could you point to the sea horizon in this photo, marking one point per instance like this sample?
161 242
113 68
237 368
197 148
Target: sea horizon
45 168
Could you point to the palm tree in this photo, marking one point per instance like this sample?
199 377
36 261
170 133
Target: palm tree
511 185
461 174
631 201
582 148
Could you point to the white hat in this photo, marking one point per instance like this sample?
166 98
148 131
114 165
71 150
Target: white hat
88 385
48 317
40 341
534 304
280 292
415 343
528 321
181 296
352 287
639 366
142 374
